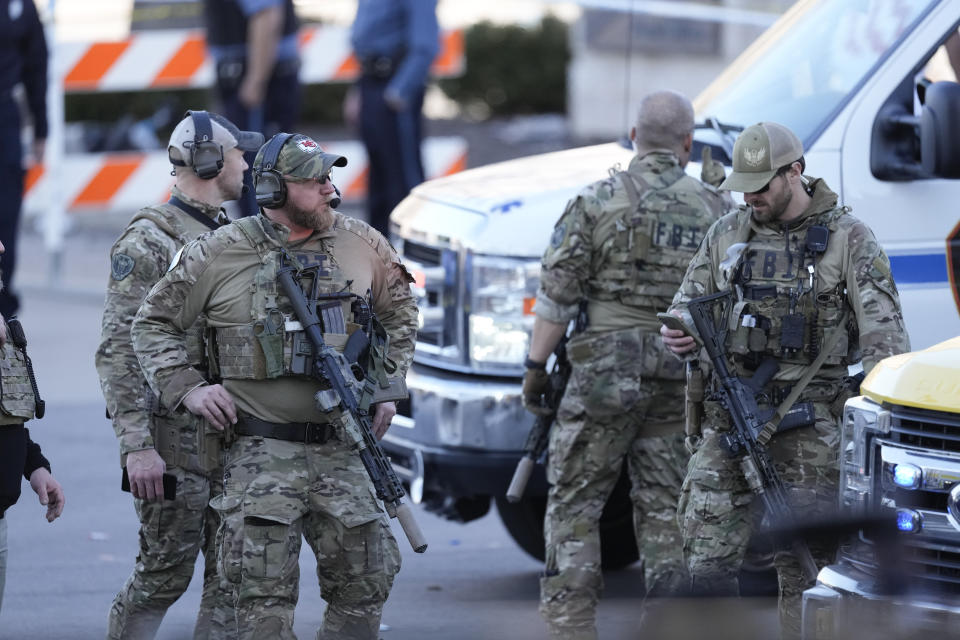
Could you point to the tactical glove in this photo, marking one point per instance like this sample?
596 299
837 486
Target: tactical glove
535 384
711 171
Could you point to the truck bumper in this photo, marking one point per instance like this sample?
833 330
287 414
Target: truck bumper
845 603
459 435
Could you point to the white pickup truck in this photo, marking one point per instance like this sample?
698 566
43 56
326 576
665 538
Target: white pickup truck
852 78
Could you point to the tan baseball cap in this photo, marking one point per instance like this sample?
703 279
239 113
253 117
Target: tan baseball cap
224 133
757 154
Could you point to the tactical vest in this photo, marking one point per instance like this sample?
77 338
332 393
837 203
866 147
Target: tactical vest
652 242
274 344
226 24
785 311
16 393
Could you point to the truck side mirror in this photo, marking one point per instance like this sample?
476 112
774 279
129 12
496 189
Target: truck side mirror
940 130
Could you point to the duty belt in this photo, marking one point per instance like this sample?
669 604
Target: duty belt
306 432
382 67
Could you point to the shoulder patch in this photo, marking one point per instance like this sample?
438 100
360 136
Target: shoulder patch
176 259
121 266
559 235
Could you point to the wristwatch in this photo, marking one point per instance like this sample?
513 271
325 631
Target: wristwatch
533 364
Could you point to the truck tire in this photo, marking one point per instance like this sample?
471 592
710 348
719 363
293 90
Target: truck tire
618 548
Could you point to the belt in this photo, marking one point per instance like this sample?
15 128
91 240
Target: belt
381 67
306 432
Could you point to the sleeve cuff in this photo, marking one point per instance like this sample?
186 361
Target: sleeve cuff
550 310
179 385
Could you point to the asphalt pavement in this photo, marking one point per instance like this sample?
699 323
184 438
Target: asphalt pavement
472 583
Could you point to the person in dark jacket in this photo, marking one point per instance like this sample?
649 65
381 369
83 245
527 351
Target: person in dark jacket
18 453
395 42
23 59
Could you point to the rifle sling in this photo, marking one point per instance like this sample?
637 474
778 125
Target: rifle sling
771 427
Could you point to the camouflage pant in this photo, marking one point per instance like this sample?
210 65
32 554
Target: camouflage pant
717 511
172 533
278 491
586 454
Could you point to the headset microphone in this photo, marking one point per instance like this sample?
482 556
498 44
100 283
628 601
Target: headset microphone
335 202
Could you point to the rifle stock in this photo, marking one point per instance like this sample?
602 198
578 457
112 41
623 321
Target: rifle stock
330 365
739 396
539 436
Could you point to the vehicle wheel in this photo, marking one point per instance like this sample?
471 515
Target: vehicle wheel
524 523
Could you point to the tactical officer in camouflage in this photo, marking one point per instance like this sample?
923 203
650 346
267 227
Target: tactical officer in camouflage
622 245
207 153
812 289
289 471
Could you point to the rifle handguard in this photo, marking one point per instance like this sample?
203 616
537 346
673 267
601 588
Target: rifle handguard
411 528
520 478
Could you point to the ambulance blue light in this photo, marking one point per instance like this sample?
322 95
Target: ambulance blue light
907 476
908 521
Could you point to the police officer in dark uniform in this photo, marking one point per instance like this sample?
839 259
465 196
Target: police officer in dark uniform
395 42
254 46
23 59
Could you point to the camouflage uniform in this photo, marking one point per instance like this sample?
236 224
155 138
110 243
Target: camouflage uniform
171 532
276 491
622 245
853 292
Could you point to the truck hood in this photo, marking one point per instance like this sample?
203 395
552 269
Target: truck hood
928 379
508 208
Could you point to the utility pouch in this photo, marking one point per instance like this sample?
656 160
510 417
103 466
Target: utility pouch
792 328
209 445
693 413
757 340
269 334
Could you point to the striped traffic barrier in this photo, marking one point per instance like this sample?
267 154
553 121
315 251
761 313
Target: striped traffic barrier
177 58
127 181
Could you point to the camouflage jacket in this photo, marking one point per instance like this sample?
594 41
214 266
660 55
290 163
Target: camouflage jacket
214 276
847 287
138 258
623 244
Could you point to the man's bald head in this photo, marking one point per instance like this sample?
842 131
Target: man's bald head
664 121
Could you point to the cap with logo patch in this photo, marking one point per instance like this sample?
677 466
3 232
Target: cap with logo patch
757 155
302 157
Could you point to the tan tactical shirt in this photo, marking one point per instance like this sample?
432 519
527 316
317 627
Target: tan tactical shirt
139 257
214 276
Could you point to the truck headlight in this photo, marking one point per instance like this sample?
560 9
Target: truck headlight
863 420
502 293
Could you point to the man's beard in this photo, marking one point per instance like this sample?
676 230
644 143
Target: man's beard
775 210
318 220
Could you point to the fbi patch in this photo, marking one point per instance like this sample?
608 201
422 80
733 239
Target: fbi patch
121 266
559 235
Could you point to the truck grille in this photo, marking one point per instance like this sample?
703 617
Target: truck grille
927 429
929 440
436 270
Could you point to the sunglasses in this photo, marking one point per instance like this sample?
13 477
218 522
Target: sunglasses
780 172
317 179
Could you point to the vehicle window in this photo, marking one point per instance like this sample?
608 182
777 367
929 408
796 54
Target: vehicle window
802 77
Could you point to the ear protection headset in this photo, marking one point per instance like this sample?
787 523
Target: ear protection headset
206 156
271 188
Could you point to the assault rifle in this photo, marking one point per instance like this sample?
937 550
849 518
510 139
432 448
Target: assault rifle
347 381
739 398
539 435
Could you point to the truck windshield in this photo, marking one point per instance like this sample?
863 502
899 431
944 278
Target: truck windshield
807 65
